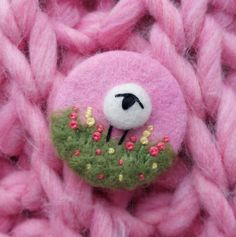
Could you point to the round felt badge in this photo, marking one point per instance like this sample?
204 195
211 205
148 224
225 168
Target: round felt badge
118 120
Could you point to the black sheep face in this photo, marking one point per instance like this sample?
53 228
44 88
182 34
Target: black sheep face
129 100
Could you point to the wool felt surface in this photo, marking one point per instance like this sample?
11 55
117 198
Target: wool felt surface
89 82
127 106
107 164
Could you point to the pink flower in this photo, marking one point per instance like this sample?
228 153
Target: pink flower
73 115
77 153
129 146
120 162
161 146
73 124
133 139
141 177
98 152
166 139
101 176
96 136
100 128
153 151
75 109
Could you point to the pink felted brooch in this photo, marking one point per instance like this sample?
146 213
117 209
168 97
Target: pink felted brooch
118 120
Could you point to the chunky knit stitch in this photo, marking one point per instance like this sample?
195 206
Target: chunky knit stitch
42 41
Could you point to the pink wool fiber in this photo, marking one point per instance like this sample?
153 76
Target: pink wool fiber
43 42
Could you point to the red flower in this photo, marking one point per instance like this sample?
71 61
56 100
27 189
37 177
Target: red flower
73 124
161 146
77 153
100 128
129 146
96 136
73 115
141 177
101 176
75 109
133 139
153 151
98 152
120 162
166 139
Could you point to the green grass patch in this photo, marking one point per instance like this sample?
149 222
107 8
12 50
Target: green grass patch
139 167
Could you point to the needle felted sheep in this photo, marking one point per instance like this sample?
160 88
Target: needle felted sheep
118 120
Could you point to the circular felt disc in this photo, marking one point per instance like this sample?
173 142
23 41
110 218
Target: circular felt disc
89 83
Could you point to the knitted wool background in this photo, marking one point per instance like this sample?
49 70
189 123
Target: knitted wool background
42 41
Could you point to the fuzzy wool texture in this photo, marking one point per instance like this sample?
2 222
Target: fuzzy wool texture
136 163
90 81
44 43
135 116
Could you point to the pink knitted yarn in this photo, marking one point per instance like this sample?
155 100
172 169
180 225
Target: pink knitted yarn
42 41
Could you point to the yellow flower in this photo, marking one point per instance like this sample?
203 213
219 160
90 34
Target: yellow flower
144 140
90 121
89 112
150 128
120 177
111 150
69 138
87 116
154 165
146 133
88 166
89 108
